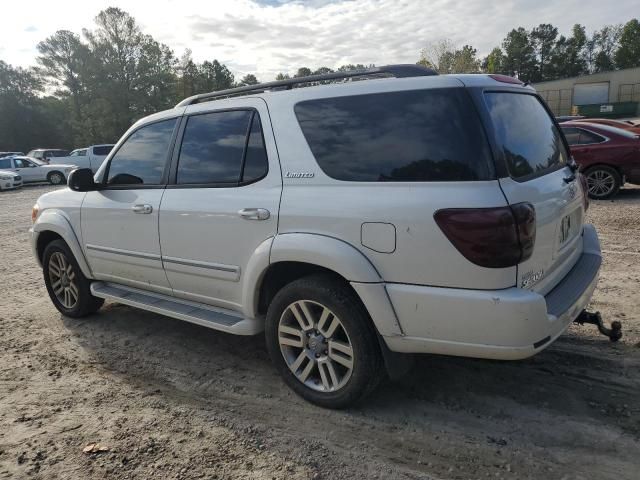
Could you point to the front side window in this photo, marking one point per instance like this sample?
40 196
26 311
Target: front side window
142 158
216 150
21 163
410 136
525 133
79 153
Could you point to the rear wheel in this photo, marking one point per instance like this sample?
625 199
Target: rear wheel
56 178
603 182
321 341
67 286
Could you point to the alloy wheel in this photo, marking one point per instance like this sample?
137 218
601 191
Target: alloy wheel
63 280
55 179
315 346
600 183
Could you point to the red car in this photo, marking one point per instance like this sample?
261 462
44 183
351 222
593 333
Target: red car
608 156
623 124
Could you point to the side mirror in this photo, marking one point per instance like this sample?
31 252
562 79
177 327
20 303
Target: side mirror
81 180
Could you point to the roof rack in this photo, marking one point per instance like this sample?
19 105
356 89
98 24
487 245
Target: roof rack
397 71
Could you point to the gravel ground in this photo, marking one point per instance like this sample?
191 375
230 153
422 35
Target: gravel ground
172 400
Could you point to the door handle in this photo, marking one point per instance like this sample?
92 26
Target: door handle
142 208
254 213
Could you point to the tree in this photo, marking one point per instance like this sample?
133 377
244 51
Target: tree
445 58
544 39
215 76
493 63
605 42
302 72
64 58
282 76
519 55
249 79
628 53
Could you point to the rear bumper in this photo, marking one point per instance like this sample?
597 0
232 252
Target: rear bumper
505 324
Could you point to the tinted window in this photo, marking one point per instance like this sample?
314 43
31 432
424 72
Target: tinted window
572 135
425 135
525 133
587 138
256 163
102 150
212 148
5 163
142 157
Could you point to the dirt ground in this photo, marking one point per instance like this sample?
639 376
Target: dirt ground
173 400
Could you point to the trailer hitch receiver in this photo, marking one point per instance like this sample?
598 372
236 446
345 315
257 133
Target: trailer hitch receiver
614 333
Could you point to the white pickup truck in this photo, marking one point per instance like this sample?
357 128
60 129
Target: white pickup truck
89 157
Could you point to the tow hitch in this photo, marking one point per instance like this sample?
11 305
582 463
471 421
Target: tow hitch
614 333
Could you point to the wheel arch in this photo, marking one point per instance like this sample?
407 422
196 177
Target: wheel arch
52 225
287 257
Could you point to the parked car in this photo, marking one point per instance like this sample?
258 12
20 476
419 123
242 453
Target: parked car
568 118
46 154
90 157
9 180
351 222
34 170
623 124
608 156
10 154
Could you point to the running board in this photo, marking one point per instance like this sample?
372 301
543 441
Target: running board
198 313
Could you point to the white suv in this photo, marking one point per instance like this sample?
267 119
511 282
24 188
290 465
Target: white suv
350 221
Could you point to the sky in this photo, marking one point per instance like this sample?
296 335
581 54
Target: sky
265 37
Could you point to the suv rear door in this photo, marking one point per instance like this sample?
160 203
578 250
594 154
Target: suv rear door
222 200
529 144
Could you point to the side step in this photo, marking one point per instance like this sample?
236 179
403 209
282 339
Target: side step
198 313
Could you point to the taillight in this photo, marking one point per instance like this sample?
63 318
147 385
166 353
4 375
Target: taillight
491 237
585 191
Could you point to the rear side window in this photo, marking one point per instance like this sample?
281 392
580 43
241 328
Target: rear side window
411 136
142 157
101 151
578 136
222 148
526 135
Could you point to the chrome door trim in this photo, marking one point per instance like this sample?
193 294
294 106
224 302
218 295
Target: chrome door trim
211 266
119 251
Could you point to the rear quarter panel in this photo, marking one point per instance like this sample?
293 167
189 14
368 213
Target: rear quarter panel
322 205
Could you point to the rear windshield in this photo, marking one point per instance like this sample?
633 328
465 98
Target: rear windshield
529 140
410 136
102 150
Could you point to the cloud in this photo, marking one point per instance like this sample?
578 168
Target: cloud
265 37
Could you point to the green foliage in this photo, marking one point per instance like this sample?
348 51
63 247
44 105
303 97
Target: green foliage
101 83
443 57
628 53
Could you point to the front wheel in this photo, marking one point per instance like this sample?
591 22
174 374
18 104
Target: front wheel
322 342
68 288
56 178
603 182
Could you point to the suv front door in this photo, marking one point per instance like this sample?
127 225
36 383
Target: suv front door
221 203
120 220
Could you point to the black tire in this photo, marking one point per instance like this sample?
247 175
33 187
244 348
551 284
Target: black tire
56 178
367 362
85 303
603 182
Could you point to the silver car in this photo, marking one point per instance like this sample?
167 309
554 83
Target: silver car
34 170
